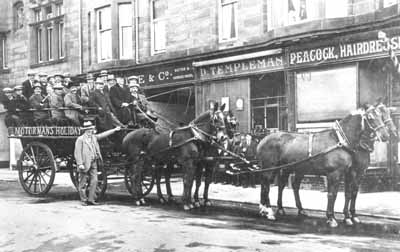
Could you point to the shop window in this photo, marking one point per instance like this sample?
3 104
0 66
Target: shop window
228 27
158 25
104 43
18 13
4 52
326 95
48 33
125 30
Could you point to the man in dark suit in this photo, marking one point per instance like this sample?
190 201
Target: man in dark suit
120 100
102 102
27 86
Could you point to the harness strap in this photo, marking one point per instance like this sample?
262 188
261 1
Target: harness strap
341 135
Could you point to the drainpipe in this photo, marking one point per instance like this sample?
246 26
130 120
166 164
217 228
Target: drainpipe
80 38
136 31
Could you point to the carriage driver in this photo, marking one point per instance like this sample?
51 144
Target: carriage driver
140 104
88 158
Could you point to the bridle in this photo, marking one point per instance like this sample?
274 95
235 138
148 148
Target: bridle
217 124
368 117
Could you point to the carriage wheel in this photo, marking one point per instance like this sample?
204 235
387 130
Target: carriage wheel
101 177
147 180
36 168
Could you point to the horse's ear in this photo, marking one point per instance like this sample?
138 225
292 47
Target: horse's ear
379 101
366 106
215 108
223 107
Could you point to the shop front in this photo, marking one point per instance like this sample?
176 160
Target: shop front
169 89
251 85
329 79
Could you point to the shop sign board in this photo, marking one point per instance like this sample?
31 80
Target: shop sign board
343 51
254 65
165 74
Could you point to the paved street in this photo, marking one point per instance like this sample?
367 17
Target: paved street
59 223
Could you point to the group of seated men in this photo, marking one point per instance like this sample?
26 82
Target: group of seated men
44 100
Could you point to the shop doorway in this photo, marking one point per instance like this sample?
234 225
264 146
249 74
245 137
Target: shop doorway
268 103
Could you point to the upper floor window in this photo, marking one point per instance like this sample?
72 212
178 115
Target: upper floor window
18 13
228 27
158 25
104 44
125 30
59 9
4 52
48 33
38 15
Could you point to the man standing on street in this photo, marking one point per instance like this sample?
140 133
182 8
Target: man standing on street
88 158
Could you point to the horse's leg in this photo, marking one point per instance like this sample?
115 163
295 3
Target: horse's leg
348 181
199 171
168 173
354 193
188 177
158 181
333 187
136 182
282 181
265 204
207 181
298 177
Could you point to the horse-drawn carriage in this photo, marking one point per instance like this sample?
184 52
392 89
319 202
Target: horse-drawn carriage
336 153
49 149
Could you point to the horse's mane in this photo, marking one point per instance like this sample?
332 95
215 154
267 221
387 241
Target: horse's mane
202 117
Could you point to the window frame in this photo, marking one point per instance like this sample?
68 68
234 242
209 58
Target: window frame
99 32
153 21
120 33
4 52
221 4
49 45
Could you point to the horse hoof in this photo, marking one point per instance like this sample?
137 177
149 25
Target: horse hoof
207 203
171 199
137 202
186 207
191 206
143 202
162 200
348 222
280 212
197 204
355 220
271 217
302 213
332 223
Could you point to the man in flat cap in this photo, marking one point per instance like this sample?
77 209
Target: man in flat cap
73 101
141 113
43 82
27 85
8 100
39 103
87 88
56 102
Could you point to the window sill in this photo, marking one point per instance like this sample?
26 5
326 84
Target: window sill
48 63
5 71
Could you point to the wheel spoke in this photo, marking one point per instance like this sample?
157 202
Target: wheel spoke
44 168
40 182
33 156
26 179
34 185
30 184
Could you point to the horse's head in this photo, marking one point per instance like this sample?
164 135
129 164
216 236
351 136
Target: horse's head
374 121
386 117
231 123
212 123
218 119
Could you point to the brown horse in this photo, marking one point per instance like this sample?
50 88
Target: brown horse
326 153
361 160
178 146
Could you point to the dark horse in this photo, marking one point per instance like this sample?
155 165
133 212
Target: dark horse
361 160
147 146
329 153
205 166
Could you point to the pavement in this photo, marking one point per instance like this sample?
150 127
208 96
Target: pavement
380 207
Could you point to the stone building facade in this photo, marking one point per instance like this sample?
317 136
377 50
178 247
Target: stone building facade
256 55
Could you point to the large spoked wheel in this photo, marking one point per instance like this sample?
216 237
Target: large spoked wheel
36 169
147 179
101 178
